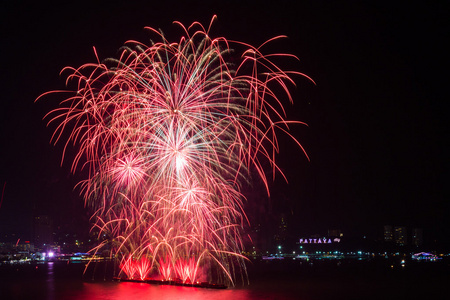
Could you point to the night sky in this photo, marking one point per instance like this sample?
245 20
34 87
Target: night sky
377 134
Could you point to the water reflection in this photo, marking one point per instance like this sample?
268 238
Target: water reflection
130 290
50 281
323 281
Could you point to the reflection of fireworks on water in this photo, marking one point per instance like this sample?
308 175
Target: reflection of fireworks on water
168 133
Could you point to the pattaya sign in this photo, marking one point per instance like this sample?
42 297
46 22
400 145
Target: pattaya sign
319 241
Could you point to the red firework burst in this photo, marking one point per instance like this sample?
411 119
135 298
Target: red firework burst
168 133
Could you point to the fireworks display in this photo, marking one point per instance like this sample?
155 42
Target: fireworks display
169 133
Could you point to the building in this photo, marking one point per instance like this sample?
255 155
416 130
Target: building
25 247
43 230
388 233
281 233
400 235
335 233
417 237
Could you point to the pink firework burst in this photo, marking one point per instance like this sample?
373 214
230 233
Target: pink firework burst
128 170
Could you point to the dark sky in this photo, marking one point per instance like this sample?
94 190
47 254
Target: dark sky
378 129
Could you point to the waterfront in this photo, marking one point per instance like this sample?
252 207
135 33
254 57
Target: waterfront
313 280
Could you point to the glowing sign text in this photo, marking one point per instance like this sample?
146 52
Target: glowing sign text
318 241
